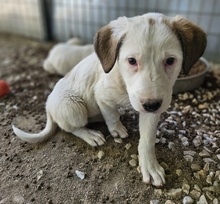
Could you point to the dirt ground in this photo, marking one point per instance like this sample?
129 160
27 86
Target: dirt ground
187 144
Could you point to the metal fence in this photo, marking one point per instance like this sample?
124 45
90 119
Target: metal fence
62 19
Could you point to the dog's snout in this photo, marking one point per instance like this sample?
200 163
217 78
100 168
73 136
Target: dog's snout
152 105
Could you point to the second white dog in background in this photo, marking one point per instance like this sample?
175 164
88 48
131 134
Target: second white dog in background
64 56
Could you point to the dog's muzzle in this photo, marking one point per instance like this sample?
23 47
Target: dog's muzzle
152 105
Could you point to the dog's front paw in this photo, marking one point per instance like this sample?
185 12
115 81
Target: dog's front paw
118 130
153 173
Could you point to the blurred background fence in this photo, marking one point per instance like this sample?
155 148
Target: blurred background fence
62 19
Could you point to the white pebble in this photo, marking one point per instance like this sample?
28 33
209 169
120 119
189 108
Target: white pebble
197 141
175 193
188 158
186 143
187 200
154 202
128 146
215 201
204 153
39 175
163 140
80 174
209 160
134 156
18 199
186 188
202 200
195 194
169 202
190 152
101 154
171 145
133 162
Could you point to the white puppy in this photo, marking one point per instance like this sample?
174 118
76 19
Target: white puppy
136 63
64 56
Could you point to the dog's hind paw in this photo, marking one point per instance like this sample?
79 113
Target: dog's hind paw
92 137
118 130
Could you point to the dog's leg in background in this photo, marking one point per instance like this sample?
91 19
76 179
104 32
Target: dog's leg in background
151 170
112 119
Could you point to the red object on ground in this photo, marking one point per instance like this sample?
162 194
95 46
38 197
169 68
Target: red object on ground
4 88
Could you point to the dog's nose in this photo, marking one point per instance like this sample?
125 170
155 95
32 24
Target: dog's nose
152 105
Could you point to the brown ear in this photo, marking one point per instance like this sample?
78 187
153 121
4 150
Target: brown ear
106 47
193 41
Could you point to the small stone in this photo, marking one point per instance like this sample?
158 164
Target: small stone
196 175
51 85
179 172
215 201
175 193
202 173
216 183
197 141
196 187
133 162
184 139
186 188
209 160
204 153
202 106
209 179
187 200
171 145
195 167
101 154
18 199
206 166
218 156
188 158
186 109
39 174
202 200
128 146
80 174
154 202
195 101
164 165
169 202
190 152
186 143
195 194
134 156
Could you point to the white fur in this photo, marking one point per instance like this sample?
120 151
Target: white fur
88 92
64 56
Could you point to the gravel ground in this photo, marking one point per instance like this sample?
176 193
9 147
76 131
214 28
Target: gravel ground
65 170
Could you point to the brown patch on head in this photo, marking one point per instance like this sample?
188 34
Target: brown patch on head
192 39
151 21
106 47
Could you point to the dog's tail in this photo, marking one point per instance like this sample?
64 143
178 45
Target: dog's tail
37 137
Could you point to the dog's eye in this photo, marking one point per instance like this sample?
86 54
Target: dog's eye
132 61
169 61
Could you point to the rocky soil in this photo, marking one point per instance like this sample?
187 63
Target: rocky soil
65 170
